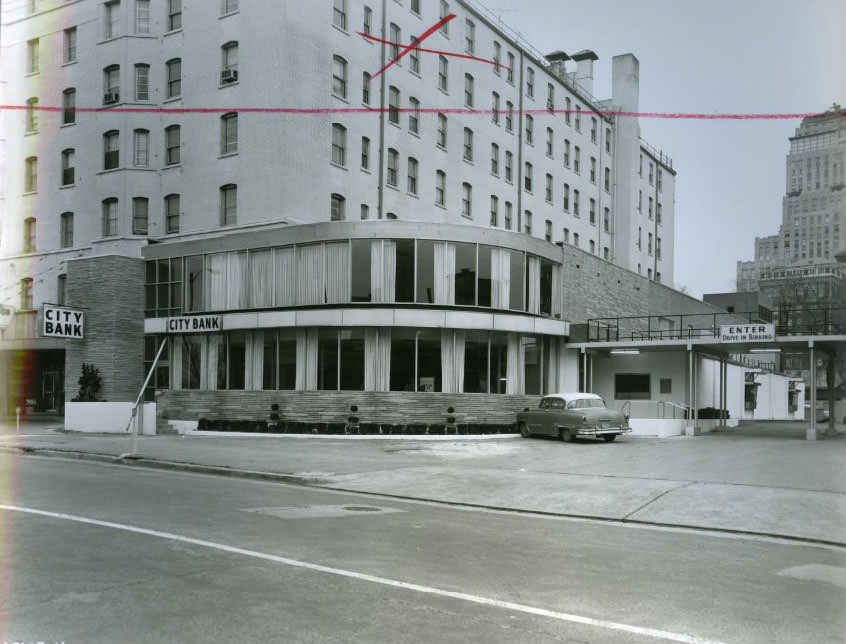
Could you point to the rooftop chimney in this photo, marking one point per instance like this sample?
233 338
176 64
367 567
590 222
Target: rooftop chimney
584 68
557 61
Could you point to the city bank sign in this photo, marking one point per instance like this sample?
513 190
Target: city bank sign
193 324
62 322
747 332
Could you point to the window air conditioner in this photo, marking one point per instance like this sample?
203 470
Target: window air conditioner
110 97
228 75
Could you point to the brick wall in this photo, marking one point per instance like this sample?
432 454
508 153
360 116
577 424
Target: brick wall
389 408
110 290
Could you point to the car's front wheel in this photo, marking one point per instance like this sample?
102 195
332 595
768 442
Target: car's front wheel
567 435
609 438
524 430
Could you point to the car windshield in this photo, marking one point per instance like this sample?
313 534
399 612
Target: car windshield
584 403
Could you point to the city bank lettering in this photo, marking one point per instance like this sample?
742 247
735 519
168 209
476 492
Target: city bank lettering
194 324
746 332
62 323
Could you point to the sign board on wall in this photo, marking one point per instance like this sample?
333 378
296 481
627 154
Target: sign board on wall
62 322
7 314
193 324
747 332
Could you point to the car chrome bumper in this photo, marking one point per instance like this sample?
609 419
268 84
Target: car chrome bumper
599 431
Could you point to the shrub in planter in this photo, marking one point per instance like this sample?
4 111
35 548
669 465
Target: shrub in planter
90 382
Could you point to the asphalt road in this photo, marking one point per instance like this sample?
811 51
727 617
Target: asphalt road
117 554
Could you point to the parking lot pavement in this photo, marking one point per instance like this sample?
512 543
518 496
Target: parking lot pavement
762 482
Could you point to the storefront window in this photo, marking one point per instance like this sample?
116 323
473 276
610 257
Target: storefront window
429 360
545 287
194 283
484 279
516 299
532 365
191 352
327 359
404 270
465 274
218 347
498 363
425 271
352 359
361 270
270 363
402 359
476 362
260 278
236 361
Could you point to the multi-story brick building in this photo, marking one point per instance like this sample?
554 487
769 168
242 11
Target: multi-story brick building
348 230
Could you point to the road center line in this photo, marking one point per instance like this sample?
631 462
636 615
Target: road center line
476 599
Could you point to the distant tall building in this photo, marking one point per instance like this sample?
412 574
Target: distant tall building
797 267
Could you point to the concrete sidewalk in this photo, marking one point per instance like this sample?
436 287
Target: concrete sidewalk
765 482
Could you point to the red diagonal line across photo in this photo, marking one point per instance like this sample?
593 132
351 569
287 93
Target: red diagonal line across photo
434 51
423 37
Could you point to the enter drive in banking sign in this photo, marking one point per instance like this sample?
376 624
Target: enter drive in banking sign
747 332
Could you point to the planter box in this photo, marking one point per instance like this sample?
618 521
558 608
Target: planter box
107 417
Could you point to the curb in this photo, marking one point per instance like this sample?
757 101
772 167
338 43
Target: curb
309 481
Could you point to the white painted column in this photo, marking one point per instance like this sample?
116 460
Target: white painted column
811 432
690 384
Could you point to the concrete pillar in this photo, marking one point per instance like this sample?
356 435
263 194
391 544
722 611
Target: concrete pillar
829 372
811 432
691 403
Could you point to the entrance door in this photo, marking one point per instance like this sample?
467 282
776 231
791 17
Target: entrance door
52 390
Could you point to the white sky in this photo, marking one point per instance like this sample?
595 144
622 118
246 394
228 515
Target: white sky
719 56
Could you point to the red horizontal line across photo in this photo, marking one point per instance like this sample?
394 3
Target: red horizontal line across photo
430 110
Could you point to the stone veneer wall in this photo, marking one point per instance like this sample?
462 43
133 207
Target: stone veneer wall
374 407
110 290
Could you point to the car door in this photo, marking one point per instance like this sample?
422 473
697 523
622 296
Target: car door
553 417
537 418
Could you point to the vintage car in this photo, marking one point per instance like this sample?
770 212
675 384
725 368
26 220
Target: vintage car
570 415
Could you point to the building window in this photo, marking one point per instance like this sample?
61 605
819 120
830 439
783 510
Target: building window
339 144
336 211
69 106
111 84
142 82
443 72
566 197
172 145
568 104
66 230
367 22
393 105
608 140
468 90
509 116
229 63
466 200
566 235
527 222
576 240
174 78
469 36
171 214
547 235
415 7
509 167
593 129
412 175
530 82
111 150
110 217
365 211
141 149
577 160
607 184
440 187
414 116
578 119
566 153
631 386
606 220
26 294
339 14
550 97
140 215
230 6
142 16
649 212
494 210
395 37
31 115
31 174
592 211
229 133
339 77
444 13
68 169
495 108
365 153
174 15
530 129
605 253
592 247
510 75
548 193
468 144
592 170
111 23
414 57
228 205
393 162
494 159
69 45
507 216
575 203
496 58
29 235
365 88
527 185
442 131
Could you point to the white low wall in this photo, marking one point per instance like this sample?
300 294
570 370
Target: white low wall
107 417
663 427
